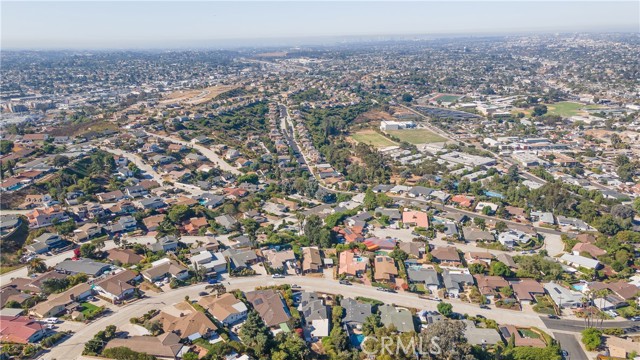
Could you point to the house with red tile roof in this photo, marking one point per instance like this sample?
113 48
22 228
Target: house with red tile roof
463 200
415 218
20 329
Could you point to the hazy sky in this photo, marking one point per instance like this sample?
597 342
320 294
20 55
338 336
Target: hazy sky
157 24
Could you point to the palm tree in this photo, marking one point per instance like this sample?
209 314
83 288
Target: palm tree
36 265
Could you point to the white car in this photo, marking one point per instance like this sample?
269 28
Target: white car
277 276
51 320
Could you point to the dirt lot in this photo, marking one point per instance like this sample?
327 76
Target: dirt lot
196 97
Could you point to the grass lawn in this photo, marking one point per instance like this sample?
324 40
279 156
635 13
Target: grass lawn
417 136
87 309
372 138
528 334
448 98
568 108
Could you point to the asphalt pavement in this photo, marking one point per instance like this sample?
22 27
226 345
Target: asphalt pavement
570 344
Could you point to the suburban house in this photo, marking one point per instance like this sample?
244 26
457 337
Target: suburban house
315 314
111 196
271 307
60 303
563 297
166 243
280 260
188 323
117 287
511 238
225 308
83 266
46 242
415 218
426 276
123 256
475 234
356 313
164 268
526 290
478 257
124 224
401 318
490 286
240 258
352 265
455 281
87 231
213 262
446 255
588 248
311 260
226 221
153 222
20 329
164 347
46 217
415 249
384 269
579 261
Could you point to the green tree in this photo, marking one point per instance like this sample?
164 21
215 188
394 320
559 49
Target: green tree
498 268
6 146
36 265
501 226
480 222
592 338
446 309
179 213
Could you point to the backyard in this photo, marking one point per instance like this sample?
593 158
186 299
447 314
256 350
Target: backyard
417 136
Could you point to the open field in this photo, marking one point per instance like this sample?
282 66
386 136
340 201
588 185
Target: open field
567 108
417 136
372 138
196 97
446 97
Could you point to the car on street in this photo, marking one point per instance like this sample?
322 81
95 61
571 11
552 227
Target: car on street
203 293
295 286
345 282
485 307
635 318
277 276
556 317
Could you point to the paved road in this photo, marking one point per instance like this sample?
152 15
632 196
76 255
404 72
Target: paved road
570 344
579 325
210 154
72 348
137 160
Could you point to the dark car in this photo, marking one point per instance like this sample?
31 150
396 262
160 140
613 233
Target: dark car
485 307
556 317
203 293
345 282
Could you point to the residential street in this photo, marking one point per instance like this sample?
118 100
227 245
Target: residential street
570 344
72 348
210 154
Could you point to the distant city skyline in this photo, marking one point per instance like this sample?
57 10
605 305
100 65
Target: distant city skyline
164 24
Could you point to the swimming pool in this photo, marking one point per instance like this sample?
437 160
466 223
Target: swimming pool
578 287
356 339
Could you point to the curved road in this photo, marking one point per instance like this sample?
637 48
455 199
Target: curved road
210 154
72 347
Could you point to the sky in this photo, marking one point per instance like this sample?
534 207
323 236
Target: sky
183 24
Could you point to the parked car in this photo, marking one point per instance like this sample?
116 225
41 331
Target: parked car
635 318
51 320
295 286
485 307
277 276
345 282
553 317
203 293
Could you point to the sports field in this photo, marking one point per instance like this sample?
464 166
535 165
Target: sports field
417 136
372 138
568 108
446 98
